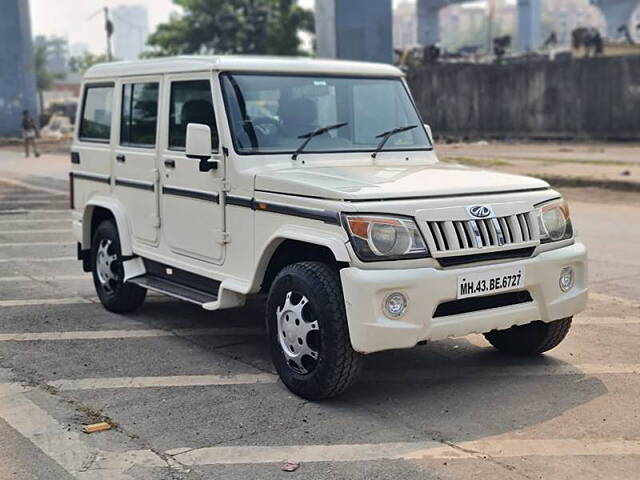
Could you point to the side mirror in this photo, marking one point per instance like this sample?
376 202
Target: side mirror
199 146
429 133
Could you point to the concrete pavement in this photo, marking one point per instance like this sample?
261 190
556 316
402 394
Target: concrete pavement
613 166
193 395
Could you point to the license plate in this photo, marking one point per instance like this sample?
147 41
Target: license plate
490 282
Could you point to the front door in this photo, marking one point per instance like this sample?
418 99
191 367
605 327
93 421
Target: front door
192 218
135 152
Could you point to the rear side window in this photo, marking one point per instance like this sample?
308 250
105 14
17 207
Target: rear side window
139 117
191 102
95 124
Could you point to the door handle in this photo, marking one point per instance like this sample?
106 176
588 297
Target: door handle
170 163
121 158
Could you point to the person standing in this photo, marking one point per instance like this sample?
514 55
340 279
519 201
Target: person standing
29 132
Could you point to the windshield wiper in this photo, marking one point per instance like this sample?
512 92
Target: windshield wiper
314 133
387 135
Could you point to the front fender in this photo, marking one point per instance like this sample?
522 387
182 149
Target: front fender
118 212
313 236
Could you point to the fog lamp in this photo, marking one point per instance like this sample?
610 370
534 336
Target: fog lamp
567 279
395 305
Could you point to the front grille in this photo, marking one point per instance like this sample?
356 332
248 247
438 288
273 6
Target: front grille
475 304
474 236
485 257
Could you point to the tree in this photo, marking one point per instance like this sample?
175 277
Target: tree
86 61
232 26
44 78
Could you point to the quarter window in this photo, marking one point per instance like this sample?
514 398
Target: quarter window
139 118
95 124
191 102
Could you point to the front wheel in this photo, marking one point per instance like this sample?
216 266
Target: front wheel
308 332
108 273
531 339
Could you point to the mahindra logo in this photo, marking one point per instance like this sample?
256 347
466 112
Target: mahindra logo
480 211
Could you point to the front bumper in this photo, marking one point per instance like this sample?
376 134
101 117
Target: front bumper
426 288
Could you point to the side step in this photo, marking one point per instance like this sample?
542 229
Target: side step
173 289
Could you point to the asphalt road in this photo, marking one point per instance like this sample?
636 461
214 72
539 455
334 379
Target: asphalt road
193 394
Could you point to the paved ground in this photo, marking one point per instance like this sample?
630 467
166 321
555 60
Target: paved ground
621 153
612 164
193 394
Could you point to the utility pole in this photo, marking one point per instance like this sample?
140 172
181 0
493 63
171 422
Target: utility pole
108 26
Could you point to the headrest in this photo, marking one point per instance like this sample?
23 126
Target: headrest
302 112
198 111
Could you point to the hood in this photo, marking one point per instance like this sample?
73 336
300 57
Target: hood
368 182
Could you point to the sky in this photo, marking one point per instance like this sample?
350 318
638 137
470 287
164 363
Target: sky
70 18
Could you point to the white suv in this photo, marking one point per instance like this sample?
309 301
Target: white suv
210 179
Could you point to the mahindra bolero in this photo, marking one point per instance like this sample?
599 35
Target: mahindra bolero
316 183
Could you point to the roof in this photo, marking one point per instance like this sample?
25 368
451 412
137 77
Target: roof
243 63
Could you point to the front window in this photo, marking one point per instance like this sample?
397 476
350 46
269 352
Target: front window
191 102
270 113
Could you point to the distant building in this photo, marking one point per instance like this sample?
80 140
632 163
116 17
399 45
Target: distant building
466 24
405 27
17 76
57 51
131 29
460 24
564 17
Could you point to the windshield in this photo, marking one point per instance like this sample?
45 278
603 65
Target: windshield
270 113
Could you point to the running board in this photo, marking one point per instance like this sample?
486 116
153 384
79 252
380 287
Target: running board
176 290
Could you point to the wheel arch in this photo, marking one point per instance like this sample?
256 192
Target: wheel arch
290 246
98 209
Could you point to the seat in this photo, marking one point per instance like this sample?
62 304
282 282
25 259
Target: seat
297 115
196 111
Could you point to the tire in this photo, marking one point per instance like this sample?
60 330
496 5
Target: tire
106 265
305 300
530 339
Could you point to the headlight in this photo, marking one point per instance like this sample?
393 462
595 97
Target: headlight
554 221
376 238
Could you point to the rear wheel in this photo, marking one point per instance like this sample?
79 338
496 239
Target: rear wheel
308 332
108 273
530 339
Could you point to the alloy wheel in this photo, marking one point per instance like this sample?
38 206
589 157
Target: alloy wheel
298 333
106 266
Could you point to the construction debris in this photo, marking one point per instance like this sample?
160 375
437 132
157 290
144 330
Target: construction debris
290 467
96 427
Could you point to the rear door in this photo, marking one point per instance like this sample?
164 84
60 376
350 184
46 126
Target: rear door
192 218
91 151
135 155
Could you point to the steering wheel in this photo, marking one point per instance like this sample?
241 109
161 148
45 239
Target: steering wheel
264 126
